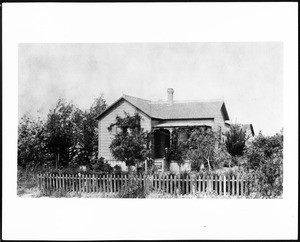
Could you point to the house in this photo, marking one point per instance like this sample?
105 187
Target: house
161 118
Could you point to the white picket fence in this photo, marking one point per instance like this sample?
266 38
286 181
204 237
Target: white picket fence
167 183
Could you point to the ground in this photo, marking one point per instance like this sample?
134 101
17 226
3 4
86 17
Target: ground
36 193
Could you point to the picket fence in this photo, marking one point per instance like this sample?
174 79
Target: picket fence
167 183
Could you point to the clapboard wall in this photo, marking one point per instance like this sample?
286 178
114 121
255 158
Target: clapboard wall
105 137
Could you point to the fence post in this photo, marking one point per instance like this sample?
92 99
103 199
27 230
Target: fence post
110 183
246 186
220 185
93 183
178 190
199 183
242 186
229 184
237 185
38 181
145 184
79 182
194 181
224 186
167 183
171 183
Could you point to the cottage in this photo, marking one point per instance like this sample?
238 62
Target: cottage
161 118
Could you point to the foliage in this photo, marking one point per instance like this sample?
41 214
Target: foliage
178 147
131 143
26 179
133 189
67 138
87 128
262 148
265 164
101 166
31 145
118 169
236 140
205 149
200 145
59 130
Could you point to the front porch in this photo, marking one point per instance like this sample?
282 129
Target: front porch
162 140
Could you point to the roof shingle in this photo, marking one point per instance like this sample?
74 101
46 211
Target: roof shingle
178 110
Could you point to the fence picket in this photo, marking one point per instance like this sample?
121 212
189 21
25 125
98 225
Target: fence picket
89 183
237 186
224 186
102 183
122 183
229 185
168 183
242 186
94 183
246 187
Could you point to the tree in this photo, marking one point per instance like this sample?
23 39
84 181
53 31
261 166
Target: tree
263 148
204 148
68 136
265 164
31 146
60 132
84 150
236 140
131 142
178 147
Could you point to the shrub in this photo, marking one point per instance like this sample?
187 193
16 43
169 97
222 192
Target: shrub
268 179
26 179
117 169
134 189
236 140
131 143
100 165
265 165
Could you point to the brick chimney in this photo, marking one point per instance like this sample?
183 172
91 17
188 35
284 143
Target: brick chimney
170 96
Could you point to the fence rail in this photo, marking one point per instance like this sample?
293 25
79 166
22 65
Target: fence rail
171 184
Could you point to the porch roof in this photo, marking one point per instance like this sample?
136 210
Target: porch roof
182 124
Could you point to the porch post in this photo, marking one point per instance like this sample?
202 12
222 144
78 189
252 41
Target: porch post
171 131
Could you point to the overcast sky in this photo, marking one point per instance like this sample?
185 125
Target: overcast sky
248 76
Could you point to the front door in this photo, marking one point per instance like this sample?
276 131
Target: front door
161 141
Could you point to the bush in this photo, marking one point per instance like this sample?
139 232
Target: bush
268 179
265 165
26 179
134 189
236 140
117 169
100 165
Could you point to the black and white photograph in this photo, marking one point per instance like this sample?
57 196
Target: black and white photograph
172 137
125 121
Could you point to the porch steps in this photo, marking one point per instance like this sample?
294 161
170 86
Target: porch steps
158 163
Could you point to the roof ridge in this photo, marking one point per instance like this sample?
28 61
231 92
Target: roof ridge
190 101
125 95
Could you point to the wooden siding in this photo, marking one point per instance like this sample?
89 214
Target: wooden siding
105 137
220 124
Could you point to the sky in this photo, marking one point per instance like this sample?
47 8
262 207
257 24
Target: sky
248 76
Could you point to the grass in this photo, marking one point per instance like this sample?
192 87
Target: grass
34 192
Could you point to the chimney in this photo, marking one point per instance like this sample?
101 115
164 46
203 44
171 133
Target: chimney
170 96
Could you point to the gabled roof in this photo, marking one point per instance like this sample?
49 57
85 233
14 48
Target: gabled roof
248 127
178 110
